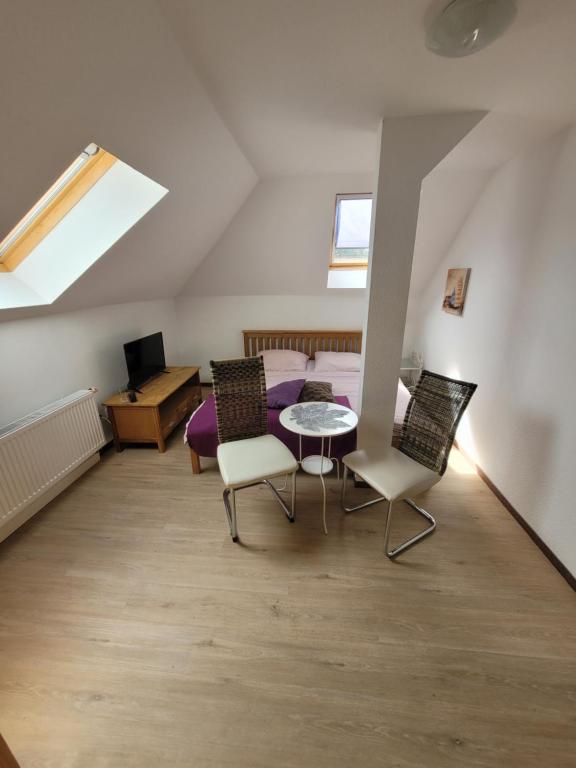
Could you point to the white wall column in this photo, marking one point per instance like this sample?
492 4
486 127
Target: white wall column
410 147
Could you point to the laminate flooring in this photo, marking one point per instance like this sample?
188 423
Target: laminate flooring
135 634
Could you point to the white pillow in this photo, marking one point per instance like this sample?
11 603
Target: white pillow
284 360
337 361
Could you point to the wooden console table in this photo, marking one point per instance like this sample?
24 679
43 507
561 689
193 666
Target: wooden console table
165 400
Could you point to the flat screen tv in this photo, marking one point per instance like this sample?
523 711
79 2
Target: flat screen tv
144 359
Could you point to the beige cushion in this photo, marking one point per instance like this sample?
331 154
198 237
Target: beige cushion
392 473
246 461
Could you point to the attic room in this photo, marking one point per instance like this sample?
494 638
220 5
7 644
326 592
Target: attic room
285 458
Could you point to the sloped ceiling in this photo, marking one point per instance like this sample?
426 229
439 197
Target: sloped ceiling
279 241
303 83
447 198
75 71
293 88
303 86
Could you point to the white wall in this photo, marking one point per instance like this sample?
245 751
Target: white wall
42 359
516 337
211 327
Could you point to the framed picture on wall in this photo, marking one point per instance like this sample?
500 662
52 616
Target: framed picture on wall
455 291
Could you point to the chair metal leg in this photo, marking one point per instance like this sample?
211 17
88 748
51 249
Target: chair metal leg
393 553
284 486
229 496
359 506
230 506
288 512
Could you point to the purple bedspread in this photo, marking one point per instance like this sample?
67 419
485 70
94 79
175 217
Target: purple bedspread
202 435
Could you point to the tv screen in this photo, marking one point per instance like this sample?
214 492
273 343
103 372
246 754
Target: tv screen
144 359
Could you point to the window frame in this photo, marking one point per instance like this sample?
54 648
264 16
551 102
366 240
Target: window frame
342 264
51 213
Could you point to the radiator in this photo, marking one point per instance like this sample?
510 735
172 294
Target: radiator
43 453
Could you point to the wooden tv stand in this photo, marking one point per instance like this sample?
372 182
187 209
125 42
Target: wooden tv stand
165 400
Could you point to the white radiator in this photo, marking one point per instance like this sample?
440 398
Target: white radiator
43 453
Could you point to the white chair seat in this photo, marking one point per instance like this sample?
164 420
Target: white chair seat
393 474
243 462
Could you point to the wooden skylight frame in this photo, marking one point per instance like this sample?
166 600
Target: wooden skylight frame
54 205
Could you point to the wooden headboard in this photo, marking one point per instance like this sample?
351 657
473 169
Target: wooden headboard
308 342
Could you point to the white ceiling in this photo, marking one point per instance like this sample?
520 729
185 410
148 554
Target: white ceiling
302 83
70 76
205 95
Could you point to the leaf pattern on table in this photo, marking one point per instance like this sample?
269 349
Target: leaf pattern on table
317 416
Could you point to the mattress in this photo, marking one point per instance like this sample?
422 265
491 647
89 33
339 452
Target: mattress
201 430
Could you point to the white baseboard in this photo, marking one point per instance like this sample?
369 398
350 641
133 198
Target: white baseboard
14 522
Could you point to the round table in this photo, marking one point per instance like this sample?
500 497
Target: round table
323 420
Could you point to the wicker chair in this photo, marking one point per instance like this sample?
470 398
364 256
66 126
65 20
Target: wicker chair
247 454
430 424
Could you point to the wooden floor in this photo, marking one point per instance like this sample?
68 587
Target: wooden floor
134 634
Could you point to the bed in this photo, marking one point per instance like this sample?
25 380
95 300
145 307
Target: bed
201 431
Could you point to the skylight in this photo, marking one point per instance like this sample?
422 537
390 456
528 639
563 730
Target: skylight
351 241
95 201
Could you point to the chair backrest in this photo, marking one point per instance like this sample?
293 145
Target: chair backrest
240 397
432 418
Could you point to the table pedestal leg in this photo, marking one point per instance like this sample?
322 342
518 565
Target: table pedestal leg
323 486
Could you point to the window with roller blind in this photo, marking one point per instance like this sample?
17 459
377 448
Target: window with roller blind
351 240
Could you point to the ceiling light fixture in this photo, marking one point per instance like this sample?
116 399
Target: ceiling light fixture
466 26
